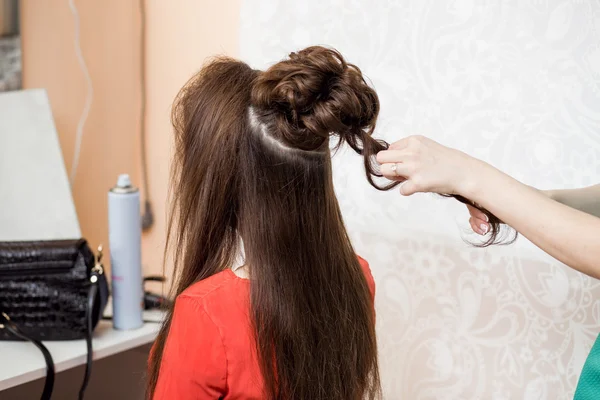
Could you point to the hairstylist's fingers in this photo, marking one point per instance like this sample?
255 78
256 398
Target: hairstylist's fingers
474 226
392 156
400 144
394 171
479 226
408 188
406 142
477 213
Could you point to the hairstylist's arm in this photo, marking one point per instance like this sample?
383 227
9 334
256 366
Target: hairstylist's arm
567 234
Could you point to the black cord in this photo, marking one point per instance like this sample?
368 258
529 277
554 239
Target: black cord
155 278
148 216
151 321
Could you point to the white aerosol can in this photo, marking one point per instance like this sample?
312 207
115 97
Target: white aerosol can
125 236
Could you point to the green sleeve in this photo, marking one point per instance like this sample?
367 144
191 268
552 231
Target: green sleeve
588 387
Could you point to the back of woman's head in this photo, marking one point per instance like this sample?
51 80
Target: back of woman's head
252 164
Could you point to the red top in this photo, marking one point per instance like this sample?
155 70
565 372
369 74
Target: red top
209 353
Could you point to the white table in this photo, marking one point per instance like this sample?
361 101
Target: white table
22 362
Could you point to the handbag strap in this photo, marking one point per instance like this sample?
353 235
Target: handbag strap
89 329
88 333
7 324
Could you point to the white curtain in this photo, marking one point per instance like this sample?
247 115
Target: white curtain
516 83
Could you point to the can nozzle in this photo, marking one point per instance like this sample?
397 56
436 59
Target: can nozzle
124 181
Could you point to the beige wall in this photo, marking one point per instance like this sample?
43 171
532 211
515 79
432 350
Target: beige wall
180 35
110 143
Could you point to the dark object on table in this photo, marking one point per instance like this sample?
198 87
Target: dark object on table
153 300
51 290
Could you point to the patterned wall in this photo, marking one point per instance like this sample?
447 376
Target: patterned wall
516 83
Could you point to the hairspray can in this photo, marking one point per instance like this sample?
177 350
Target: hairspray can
124 237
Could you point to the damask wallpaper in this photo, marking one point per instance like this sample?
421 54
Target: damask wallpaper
514 82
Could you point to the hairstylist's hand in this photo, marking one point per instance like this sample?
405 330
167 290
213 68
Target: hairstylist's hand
570 235
478 221
427 166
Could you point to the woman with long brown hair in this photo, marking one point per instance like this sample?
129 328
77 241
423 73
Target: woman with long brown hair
253 168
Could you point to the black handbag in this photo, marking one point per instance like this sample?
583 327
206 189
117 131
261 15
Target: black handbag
51 290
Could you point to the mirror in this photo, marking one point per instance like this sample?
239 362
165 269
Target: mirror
10 46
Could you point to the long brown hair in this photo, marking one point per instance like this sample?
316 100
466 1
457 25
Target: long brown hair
253 162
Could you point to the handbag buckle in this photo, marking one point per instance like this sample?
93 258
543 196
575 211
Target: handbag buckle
5 317
98 268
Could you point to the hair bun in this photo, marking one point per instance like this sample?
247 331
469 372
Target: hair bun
316 93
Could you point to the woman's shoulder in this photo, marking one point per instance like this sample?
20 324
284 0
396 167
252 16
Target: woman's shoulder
365 266
212 287
368 275
363 263
223 298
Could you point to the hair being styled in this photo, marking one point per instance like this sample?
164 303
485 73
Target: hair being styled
253 162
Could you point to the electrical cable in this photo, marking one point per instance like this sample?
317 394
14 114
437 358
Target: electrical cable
148 216
89 95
